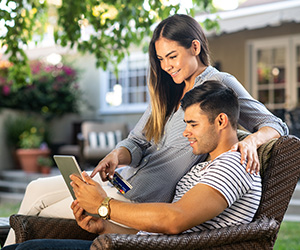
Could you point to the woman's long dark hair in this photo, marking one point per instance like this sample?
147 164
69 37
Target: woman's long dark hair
165 94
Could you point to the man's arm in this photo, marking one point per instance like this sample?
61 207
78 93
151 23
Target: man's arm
97 225
198 205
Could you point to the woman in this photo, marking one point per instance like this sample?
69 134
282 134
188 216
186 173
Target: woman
155 151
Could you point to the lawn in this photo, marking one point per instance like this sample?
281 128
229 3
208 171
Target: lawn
6 209
288 237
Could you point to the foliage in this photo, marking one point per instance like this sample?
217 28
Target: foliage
31 139
26 132
53 92
45 161
104 28
23 19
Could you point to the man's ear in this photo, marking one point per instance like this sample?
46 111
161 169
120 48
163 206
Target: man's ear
222 120
196 47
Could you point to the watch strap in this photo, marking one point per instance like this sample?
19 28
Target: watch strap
105 203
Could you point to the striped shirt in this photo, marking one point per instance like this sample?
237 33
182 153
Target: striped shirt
226 174
156 168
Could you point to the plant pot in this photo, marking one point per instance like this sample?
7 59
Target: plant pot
28 158
45 169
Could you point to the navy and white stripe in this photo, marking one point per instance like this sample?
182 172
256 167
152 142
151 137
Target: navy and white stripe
226 174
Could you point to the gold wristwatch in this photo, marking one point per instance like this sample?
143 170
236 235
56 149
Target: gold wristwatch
104 209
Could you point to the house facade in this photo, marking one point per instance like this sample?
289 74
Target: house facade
258 43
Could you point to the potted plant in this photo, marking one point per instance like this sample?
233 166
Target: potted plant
45 163
28 139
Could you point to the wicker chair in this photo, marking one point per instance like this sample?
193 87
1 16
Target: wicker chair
281 161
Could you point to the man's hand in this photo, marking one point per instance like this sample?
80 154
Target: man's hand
89 193
87 222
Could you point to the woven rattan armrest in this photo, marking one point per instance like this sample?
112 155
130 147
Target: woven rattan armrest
34 227
256 235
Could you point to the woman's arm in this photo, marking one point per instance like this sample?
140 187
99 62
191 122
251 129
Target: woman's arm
253 114
127 152
136 141
256 118
248 147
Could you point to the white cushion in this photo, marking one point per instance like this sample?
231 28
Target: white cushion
104 139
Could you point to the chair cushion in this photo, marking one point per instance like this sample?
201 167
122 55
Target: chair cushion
264 154
264 151
104 140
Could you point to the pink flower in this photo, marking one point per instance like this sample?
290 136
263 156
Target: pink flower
35 68
68 71
6 90
49 68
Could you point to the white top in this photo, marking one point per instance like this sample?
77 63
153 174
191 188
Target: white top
226 174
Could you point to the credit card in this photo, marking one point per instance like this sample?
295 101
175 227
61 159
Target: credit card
120 183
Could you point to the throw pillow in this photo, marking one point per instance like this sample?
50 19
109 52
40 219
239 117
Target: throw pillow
104 139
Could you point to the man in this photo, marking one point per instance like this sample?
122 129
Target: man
213 194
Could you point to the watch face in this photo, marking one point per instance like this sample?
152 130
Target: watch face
103 211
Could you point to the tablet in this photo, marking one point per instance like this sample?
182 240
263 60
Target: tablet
68 165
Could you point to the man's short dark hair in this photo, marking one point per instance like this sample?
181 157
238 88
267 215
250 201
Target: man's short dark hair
214 98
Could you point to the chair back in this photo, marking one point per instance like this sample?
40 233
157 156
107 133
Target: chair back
94 126
280 175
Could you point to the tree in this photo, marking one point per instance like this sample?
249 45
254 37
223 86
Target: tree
115 25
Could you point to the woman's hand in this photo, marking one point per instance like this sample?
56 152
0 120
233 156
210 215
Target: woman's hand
248 151
108 165
248 147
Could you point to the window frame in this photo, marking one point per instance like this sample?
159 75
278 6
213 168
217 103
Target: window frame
290 43
130 62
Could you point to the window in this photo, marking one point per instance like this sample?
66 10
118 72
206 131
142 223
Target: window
275 72
271 76
128 93
297 68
